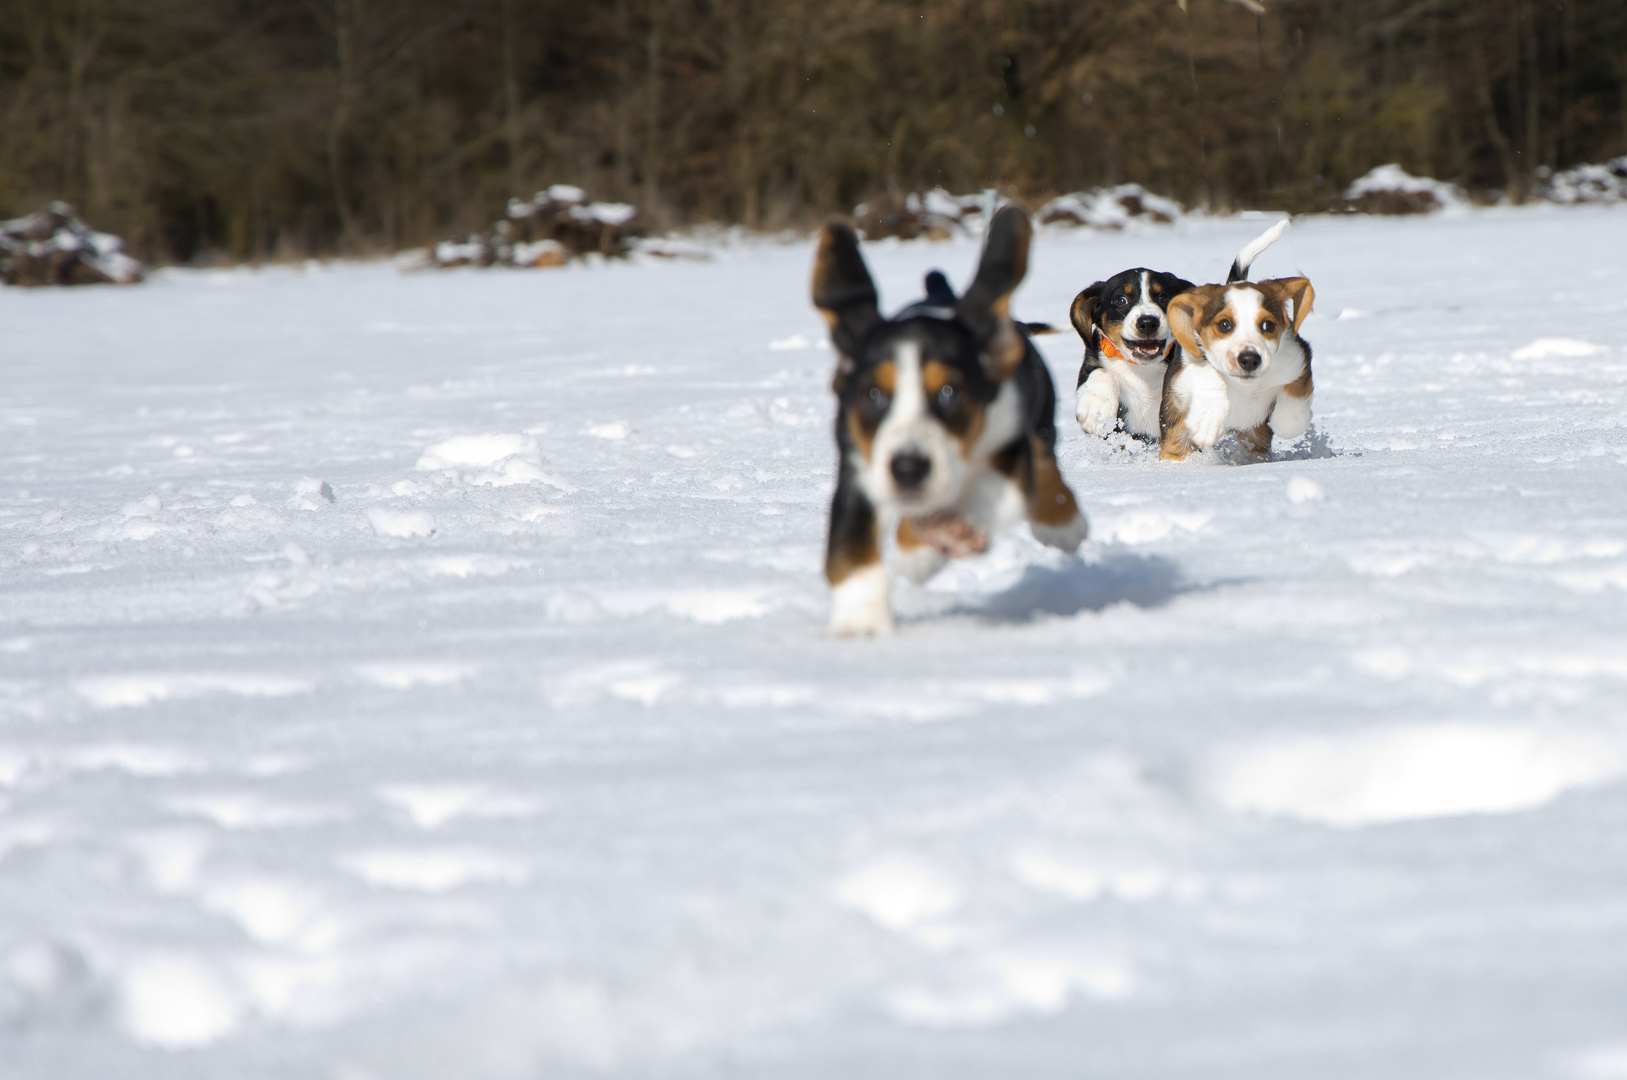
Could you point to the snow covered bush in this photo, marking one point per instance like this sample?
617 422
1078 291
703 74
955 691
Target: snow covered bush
1110 208
936 215
1588 183
55 247
1390 189
548 229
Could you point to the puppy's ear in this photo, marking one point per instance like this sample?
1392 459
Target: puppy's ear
1184 312
1296 296
986 307
842 289
1084 309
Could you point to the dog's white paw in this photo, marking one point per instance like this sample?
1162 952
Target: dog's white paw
919 564
1097 408
1290 417
859 606
1206 414
1063 537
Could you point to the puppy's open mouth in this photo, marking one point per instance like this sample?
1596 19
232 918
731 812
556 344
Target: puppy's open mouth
1145 350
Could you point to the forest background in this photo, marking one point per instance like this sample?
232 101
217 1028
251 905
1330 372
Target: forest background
223 130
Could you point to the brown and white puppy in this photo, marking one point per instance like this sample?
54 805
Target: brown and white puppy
1242 366
945 424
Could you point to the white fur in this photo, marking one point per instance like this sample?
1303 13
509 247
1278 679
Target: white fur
1062 537
1146 306
860 604
919 564
909 426
1203 395
1257 246
1096 405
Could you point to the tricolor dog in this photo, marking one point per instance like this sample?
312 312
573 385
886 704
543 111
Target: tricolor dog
1124 323
1125 328
1242 365
944 426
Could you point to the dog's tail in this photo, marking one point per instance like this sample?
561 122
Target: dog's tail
1034 329
1246 257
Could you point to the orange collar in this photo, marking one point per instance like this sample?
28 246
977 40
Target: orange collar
1112 352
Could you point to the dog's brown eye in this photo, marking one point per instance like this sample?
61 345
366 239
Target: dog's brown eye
1267 326
948 399
875 401
1225 326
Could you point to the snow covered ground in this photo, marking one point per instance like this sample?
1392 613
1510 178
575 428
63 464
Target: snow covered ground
421 676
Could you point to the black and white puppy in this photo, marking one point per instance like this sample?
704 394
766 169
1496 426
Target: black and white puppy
944 426
1125 326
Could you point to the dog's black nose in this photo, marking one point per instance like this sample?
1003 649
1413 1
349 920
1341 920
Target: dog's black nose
1248 360
910 469
1147 324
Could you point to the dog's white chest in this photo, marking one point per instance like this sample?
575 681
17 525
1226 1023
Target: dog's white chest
1141 390
1249 402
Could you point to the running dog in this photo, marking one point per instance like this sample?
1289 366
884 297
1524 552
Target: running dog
944 427
1241 365
1124 323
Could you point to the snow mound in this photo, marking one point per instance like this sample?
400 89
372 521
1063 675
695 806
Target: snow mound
548 229
1390 189
1411 773
55 247
935 215
1543 348
1110 208
898 895
1605 183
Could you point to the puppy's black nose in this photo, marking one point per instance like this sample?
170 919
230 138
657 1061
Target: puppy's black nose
1248 360
910 469
1147 324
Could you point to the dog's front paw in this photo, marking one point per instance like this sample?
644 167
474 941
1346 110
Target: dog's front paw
1206 415
859 605
1291 417
1063 537
1097 409
920 564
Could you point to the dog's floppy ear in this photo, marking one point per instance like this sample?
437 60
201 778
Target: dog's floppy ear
843 291
986 307
1084 309
1296 296
1184 312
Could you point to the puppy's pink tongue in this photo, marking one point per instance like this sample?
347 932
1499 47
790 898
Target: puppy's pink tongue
951 535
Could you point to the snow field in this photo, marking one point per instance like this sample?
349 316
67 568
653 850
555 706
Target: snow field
421 675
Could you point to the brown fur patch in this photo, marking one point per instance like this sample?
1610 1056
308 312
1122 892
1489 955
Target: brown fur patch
967 424
1300 387
852 554
1083 307
1189 311
1050 500
908 536
1173 442
1007 347
885 376
1256 440
1297 290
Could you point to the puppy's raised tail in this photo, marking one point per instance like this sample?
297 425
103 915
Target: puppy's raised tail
1246 257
